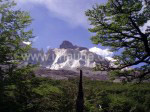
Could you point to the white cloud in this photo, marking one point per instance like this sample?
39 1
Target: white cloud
27 43
71 11
99 51
104 53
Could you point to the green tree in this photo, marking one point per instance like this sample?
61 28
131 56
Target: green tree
118 25
13 32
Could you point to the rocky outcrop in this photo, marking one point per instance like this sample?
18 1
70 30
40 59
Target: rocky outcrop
68 45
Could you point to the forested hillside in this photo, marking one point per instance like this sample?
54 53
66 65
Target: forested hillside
46 95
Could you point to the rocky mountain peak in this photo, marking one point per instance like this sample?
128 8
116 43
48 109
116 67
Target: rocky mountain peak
68 45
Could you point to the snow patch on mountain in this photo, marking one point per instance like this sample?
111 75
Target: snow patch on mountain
72 59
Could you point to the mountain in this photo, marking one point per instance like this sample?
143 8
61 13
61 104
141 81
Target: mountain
66 61
67 56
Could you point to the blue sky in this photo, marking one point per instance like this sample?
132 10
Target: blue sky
58 20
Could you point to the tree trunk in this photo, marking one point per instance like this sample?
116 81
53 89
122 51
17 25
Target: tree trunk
80 97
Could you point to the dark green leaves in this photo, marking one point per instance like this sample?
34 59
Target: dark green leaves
118 25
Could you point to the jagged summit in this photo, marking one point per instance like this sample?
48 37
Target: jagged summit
68 45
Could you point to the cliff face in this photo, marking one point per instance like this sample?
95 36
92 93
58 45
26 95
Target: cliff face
73 58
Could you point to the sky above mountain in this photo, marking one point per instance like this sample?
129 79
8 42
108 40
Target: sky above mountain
58 20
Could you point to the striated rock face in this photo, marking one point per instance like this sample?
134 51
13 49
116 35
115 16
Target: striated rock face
67 57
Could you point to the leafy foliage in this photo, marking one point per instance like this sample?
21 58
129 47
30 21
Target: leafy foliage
118 25
13 32
44 95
